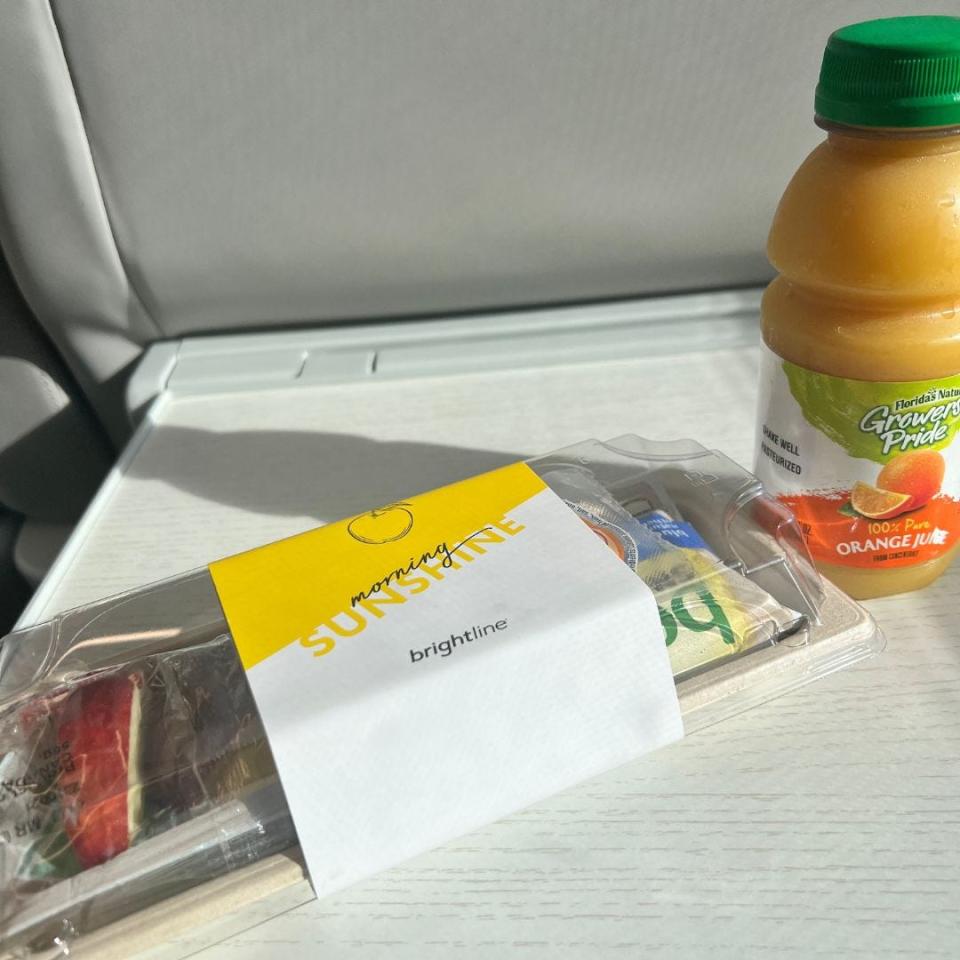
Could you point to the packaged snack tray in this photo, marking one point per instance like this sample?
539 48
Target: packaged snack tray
133 764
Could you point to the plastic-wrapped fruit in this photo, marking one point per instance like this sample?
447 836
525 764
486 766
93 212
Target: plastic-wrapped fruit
100 787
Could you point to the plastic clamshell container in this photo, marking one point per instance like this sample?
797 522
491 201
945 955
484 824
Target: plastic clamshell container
199 822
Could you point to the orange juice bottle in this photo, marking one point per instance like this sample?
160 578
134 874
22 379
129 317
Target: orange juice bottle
860 384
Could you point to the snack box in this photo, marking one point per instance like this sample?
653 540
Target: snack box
138 796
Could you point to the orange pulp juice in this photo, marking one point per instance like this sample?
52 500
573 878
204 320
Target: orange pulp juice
860 390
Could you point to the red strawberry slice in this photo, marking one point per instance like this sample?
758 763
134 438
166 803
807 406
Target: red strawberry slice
100 785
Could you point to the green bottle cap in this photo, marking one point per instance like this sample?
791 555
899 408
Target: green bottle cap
899 72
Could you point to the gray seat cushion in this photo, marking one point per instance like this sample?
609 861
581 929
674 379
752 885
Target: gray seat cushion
52 452
170 168
14 592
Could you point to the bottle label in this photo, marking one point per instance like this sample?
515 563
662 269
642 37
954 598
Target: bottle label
870 469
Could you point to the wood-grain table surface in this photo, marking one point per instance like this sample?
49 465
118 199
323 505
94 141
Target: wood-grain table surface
824 824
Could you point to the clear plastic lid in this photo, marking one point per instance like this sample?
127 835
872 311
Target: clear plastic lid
133 764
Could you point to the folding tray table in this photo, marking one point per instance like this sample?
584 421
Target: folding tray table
825 823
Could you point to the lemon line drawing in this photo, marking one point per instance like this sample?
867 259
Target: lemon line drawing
385 524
